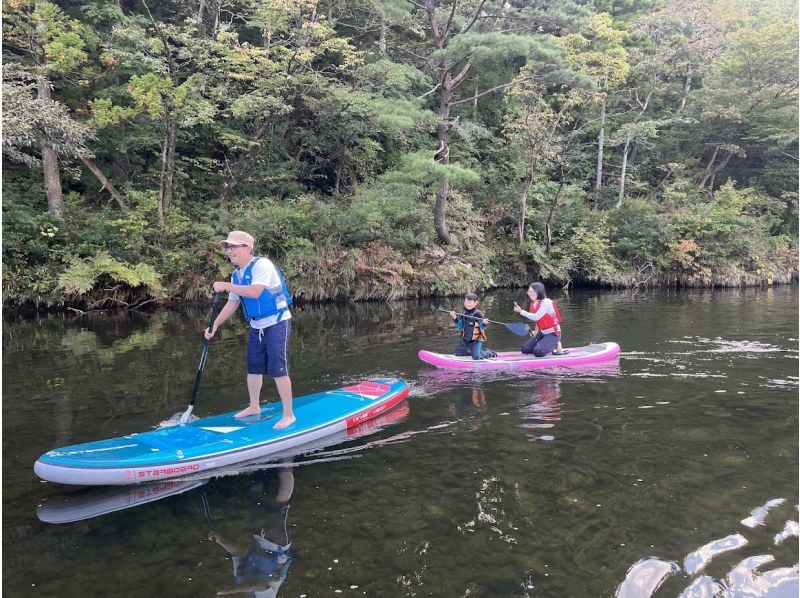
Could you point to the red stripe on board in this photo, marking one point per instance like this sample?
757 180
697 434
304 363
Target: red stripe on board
378 409
384 419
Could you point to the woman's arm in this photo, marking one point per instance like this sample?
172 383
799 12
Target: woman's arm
526 314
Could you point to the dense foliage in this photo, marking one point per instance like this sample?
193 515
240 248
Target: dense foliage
396 148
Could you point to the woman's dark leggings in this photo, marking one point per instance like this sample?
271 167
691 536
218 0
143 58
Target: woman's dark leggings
541 344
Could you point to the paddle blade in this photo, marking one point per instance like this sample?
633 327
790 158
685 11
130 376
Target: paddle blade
179 418
172 421
519 328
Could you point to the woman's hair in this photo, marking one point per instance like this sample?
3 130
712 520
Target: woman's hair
539 288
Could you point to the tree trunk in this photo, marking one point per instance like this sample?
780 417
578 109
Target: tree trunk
713 174
52 177
711 187
536 152
708 170
523 207
338 178
382 47
217 8
167 164
622 176
548 225
523 200
627 149
353 180
600 140
670 172
686 87
170 123
632 155
105 182
447 83
440 214
442 156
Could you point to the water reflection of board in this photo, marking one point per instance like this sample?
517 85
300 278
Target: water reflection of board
510 360
88 503
219 441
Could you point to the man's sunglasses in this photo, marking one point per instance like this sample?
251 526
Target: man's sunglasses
230 246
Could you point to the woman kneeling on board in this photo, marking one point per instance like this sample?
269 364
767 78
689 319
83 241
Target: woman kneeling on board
548 320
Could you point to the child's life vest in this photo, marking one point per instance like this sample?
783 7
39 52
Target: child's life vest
472 327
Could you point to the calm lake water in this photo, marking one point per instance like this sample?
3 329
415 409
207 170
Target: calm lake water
675 466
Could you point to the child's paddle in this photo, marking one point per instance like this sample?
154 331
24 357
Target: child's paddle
518 328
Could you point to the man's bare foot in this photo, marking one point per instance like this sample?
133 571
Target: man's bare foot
249 411
284 422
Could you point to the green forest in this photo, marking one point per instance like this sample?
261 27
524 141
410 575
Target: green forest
398 148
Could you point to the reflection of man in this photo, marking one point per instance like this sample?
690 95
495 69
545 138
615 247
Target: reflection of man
260 569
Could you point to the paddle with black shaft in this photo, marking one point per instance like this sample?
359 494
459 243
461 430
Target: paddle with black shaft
518 328
184 417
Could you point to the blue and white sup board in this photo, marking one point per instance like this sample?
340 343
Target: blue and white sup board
211 443
93 501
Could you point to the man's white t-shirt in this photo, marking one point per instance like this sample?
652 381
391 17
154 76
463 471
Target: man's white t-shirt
264 273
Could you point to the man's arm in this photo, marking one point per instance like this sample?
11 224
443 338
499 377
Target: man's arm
251 291
265 276
226 312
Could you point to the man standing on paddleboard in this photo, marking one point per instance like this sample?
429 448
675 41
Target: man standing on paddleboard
258 285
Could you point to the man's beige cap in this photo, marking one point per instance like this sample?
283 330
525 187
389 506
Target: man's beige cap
239 237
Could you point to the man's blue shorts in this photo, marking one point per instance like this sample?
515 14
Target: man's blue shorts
270 353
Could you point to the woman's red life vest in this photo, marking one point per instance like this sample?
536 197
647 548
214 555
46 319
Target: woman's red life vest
547 320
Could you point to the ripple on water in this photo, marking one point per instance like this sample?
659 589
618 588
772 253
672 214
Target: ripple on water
684 364
759 514
491 513
646 576
789 382
792 528
721 345
702 587
697 560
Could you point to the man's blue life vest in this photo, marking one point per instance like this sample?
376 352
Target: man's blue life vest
271 302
